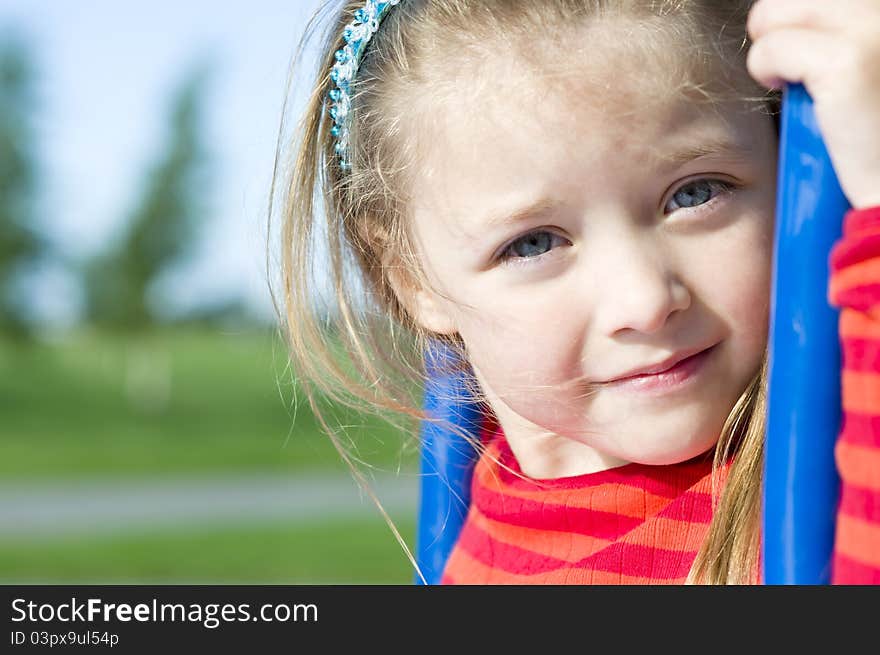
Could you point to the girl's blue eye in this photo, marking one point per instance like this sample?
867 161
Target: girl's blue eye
696 193
532 245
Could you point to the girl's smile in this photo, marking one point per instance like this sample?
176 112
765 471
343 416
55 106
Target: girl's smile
676 373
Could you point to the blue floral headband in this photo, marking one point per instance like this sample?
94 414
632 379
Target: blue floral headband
356 34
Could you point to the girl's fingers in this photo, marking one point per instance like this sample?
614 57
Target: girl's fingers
770 15
833 48
793 55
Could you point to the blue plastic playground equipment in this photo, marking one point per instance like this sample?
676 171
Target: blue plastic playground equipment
801 482
801 488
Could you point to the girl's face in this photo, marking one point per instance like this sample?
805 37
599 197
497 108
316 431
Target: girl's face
571 242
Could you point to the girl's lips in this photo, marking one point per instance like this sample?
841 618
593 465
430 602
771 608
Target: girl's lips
683 373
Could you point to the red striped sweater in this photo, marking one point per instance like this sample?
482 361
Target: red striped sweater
640 524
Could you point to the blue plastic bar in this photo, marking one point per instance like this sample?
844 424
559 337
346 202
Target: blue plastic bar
801 483
447 461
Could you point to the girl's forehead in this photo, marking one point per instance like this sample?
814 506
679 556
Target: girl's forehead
603 89
645 122
607 57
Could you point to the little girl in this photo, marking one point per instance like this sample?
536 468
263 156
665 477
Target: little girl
578 196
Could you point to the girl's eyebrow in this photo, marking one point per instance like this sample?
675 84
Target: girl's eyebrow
504 218
722 146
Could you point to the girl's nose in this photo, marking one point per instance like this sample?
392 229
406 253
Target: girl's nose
641 292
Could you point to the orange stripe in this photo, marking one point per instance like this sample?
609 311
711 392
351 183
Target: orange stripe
571 547
672 534
858 325
858 465
858 540
631 501
854 275
860 391
464 568
565 546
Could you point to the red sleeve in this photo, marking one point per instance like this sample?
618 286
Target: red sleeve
855 288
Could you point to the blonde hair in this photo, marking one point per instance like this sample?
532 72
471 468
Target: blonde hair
368 351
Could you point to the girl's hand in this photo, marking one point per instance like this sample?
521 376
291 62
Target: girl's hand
833 48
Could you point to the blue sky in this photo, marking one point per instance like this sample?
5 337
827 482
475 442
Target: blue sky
107 69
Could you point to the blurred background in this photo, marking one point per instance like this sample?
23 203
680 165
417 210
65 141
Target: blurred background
150 430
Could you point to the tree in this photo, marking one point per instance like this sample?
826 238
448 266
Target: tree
20 242
165 221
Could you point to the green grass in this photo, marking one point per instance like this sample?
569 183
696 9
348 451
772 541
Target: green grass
356 551
184 401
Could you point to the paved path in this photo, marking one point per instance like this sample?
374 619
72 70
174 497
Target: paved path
91 507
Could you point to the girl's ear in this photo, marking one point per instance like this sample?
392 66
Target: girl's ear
424 305
429 313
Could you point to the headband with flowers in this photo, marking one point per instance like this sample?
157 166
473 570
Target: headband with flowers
356 35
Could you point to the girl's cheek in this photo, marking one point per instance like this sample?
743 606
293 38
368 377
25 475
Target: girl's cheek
522 361
748 309
524 320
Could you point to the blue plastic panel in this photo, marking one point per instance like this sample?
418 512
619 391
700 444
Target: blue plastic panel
446 465
802 484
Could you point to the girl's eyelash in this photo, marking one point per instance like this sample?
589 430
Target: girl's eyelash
508 258
721 186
